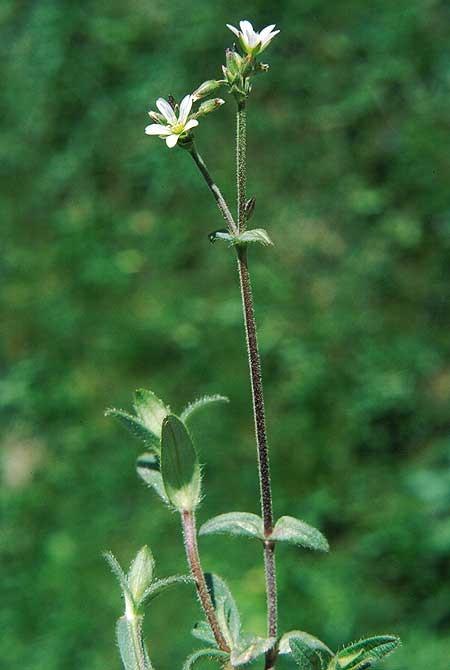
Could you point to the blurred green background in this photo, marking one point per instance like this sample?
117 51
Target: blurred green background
109 283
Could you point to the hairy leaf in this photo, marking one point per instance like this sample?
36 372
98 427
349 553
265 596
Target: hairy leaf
364 653
305 657
235 523
320 648
256 235
148 469
131 645
249 648
119 573
226 609
221 234
200 403
150 410
214 654
202 631
180 468
136 427
140 573
294 531
160 585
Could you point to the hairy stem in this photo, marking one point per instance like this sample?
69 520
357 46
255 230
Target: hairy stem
225 210
241 163
191 546
261 436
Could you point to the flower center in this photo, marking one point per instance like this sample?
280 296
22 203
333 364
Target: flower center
177 128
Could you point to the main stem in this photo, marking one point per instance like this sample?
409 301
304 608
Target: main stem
191 546
254 361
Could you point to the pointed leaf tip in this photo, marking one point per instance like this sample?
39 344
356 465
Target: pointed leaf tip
294 531
150 410
200 403
140 574
135 426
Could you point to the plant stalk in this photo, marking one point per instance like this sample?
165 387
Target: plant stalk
225 210
241 163
191 546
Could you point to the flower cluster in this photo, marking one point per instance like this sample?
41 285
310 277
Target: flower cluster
173 122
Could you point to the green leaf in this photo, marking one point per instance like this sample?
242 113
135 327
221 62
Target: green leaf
119 573
214 654
249 648
150 410
289 529
140 573
256 235
202 631
148 469
199 403
320 649
135 426
364 653
131 645
305 657
235 523
226 609
161 585
221 234
180 468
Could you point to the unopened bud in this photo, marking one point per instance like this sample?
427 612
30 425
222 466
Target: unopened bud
234 62
210 106
206 89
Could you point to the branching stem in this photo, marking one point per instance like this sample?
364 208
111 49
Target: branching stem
191 546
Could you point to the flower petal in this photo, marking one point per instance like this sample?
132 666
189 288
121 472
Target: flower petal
190 124
265 32
234 30
171 140
268 40
246 27
185 108
166 110
157 129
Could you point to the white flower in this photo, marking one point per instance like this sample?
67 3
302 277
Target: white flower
251 41
174 126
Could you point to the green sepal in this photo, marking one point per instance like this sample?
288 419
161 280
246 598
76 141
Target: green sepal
214 654
140 574
150 410
294 531
135 427
235 523
364 653
200 403
131 645
226 609
160 585
180 468
148 469
249 648
319 648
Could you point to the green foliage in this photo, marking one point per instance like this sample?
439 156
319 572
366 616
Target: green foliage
235 523
180 468
131 646
136 427
361 655
249 236
102 230
294 531
214 654
150 410
200 403
148 469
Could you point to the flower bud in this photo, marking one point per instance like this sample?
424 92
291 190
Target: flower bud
205 89
209 106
